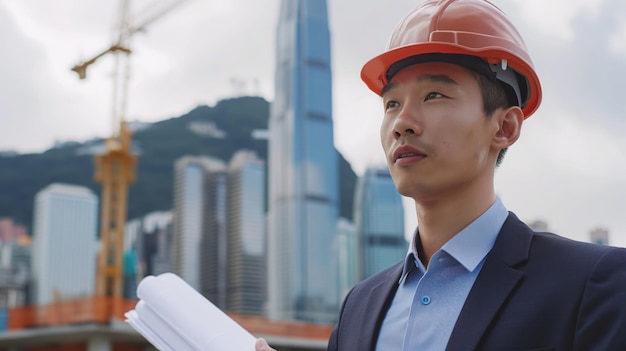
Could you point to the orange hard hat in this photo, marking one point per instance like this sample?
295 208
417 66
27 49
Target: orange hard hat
459 31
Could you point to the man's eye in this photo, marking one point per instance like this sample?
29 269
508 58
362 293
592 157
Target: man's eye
433 95
391 104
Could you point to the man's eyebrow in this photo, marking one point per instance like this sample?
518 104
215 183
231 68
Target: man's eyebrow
437 78
434 78
388 87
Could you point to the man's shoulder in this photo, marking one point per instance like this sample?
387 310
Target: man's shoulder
392 272
552 240
523 243
583 252
515 232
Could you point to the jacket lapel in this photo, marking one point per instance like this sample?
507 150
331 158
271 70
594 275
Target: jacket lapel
495 282
375 308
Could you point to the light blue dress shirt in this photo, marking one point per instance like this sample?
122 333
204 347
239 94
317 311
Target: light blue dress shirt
428 301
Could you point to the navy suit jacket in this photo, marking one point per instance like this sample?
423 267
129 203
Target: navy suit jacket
536 291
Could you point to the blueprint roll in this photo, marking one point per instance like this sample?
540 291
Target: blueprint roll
174 316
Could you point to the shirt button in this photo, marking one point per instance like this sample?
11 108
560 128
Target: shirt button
425 300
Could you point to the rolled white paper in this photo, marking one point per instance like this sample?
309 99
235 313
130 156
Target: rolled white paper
173 316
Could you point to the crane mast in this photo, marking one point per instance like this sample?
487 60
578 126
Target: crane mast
115 169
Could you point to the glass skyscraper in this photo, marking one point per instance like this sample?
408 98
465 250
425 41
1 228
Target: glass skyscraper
347 256
247 254
303 169
214 244
196 222
379 220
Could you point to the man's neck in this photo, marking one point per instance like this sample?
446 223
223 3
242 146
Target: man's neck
441 219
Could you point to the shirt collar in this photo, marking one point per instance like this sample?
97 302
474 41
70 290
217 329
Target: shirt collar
469 246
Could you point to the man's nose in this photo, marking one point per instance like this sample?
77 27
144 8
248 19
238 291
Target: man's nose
406 131
407 123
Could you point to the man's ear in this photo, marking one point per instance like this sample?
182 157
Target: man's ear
510 126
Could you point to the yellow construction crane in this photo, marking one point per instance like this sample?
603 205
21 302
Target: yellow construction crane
116 167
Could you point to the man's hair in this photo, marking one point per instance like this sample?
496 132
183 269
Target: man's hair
494 97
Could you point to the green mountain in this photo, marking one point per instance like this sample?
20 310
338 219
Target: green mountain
217 131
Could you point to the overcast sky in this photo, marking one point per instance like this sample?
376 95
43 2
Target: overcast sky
567 168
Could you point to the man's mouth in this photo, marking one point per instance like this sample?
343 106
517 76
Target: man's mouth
408 154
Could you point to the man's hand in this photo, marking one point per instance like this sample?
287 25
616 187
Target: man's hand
261 345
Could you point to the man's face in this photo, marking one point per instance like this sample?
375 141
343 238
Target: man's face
435 134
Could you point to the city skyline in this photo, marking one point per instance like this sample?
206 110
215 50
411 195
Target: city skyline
345 243
568 154
303 220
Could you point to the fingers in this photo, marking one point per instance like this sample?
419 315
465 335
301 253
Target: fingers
261 345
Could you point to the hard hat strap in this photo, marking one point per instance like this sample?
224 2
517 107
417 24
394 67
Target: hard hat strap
512 79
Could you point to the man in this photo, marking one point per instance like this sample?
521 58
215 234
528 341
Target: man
457 84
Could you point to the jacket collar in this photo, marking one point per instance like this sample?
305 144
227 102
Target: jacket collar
498 278
379 300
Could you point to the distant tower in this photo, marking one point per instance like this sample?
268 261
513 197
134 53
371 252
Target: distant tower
247 255
192 189
539 226
379 220
64 243
303 169
599 236
11 232
347 256
150 237
214 244
15 276
163 232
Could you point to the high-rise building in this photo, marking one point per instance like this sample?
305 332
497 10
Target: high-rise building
192 205
347 256
150 237
162 259
64 244
15 273
247 259
12 232
131 262
539 225
379 220
214 244
599 236
303 169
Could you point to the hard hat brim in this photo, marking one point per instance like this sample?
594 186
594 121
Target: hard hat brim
374 72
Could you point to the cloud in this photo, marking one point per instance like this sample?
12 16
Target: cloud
23 74
554 18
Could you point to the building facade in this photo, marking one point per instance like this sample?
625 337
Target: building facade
599 236
151 238
64 249
192 189
214 258
303 169
12 232
347 256
379 221
247 258
15 276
